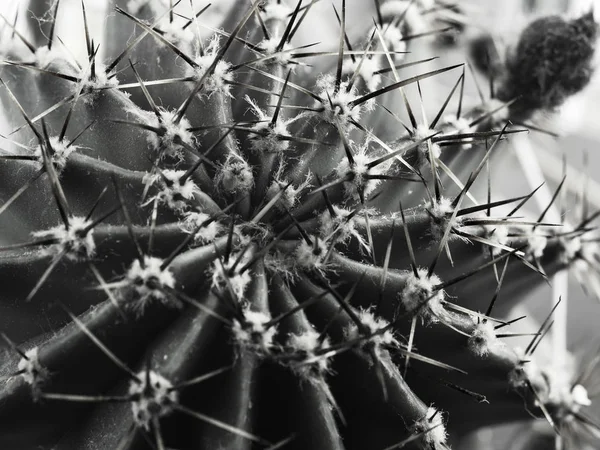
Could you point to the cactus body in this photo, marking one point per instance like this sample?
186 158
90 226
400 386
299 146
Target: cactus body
209 246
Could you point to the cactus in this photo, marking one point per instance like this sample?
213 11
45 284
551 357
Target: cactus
207 244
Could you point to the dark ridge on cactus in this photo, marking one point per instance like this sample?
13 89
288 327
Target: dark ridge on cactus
551 61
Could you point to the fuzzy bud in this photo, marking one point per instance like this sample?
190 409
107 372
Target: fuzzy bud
552 61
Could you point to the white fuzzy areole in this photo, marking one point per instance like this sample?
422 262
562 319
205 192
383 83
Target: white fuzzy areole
269 140
580 395
176 34
310 257
235 176
154 398
342 226
337 107
237 282
174 134
359 171
536 242
93 86
269 48
499 235
34 373
217 81
208 233
374 325
309 343
74 246
173 194
483 339
61 150
392 37
442 211
45 57
291 196
138 276
434 422
252 330
418 290
274 10
453 125
525 369
368 66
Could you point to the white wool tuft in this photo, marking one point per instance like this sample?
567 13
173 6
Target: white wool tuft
453 125
309 344
33 373
174 134
175 33
374 325
291 196
152 398
273 10
359 171
140 280
433 429
336 106
269 136
269 140
208 233
309 256
368 67
524 370
392 36
269 48
44 57
483 339
76 242
342 226
235 176
171 191
417 290
94 85
497 234
224 279
580 395
536 242
59 155
441 212
218 80
252 330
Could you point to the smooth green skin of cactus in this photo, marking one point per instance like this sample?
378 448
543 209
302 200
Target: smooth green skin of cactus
247 307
